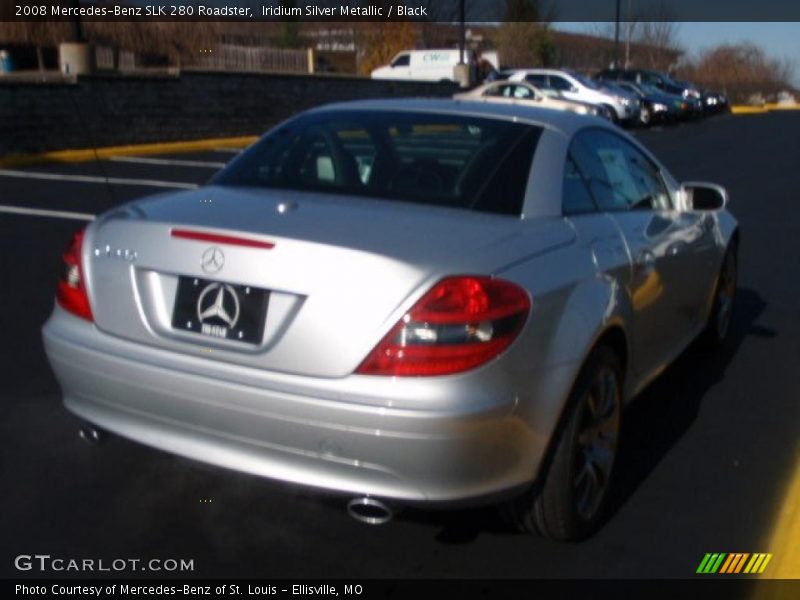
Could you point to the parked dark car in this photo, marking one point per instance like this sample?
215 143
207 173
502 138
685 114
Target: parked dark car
660 80
711 101
650 110
657 106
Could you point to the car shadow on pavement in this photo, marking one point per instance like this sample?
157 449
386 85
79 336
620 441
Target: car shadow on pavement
654 423
665 410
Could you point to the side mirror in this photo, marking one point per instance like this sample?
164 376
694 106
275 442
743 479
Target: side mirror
704 196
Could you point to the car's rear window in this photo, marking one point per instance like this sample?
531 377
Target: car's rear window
443 160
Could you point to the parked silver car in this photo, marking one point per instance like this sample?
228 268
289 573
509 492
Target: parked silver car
521 92
622 106
411 301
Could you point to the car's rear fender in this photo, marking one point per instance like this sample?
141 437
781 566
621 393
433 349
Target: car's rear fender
571 310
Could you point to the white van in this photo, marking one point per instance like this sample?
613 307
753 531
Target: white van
424 65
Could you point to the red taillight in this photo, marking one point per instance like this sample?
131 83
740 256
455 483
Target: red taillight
71 294
461 323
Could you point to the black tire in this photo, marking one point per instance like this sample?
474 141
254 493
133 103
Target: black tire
719 319
645 117
564 508
612 114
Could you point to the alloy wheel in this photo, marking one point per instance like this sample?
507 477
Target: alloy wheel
597 443
726 294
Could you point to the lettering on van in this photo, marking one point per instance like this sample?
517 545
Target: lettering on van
435 56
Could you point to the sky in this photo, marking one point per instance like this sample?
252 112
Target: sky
779 40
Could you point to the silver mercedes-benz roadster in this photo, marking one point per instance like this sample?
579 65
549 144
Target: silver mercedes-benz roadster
403 301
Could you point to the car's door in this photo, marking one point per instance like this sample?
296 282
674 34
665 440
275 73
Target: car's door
691 248
666 246
596 231
565 88
542 81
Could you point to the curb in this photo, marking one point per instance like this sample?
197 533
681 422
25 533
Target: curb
748 110
752 110
88 154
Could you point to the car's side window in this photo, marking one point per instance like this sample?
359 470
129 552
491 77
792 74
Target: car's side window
612 157
629 180
357 147
498 90
403 60
560 84
539 81
575 195
647 178
317 162
595 175
520 91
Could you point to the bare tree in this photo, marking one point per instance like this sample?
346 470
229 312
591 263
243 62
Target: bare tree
437 31
523 40
629 30
658 39
650 37
379 41
740 70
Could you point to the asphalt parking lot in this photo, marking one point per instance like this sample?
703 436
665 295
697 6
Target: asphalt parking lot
708 449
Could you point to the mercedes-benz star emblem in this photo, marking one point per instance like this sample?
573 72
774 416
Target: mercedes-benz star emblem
212 260
219 304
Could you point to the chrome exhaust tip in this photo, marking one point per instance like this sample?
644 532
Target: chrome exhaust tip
369 510
91 435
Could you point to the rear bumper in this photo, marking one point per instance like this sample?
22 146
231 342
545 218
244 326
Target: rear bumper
464 440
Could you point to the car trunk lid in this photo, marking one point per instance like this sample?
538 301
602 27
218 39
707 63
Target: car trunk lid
338 271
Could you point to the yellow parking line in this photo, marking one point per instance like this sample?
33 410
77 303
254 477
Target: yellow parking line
87 154
783 106
783 546
752 110
748 110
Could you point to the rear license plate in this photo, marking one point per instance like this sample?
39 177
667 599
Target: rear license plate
220 310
